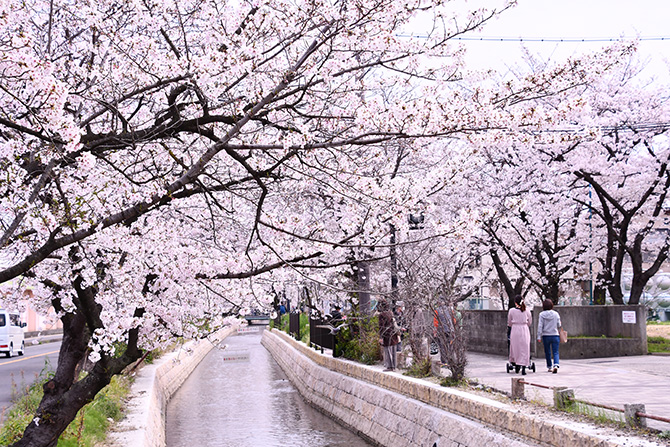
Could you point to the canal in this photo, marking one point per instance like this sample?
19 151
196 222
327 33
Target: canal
239 396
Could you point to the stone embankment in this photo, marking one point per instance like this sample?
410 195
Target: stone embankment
393 410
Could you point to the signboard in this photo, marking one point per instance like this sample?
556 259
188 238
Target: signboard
235 356
628 316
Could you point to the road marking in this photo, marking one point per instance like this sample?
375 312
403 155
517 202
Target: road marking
26 358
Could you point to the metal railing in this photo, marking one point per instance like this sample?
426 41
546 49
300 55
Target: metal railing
634 414
294 325
320 336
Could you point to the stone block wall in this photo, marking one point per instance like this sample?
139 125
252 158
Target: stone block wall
392 410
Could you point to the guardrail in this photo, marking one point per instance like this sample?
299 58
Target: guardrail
320 335
634 414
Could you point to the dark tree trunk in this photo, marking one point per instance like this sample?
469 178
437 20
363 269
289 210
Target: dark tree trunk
599 291
64 394
623 241
511 289
393 257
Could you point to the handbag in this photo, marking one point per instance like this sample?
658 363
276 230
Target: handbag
563 334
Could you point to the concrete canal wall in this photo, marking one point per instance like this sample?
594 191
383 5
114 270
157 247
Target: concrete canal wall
392 410
144 425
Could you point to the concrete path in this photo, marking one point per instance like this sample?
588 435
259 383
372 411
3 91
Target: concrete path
613 381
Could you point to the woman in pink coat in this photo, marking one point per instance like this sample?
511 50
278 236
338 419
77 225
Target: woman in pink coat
519 320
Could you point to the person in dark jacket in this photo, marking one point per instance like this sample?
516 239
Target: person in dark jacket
336 315
389 335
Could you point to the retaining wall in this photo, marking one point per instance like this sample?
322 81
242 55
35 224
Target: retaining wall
610 335
144 425
392 410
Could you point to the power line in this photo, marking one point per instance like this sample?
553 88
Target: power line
551 39
547 39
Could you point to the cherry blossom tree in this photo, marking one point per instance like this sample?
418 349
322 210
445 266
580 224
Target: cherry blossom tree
164 164
543 236
609 157
436 275
589 187
158 156
624 166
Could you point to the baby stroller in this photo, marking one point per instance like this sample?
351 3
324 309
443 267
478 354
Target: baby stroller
512 366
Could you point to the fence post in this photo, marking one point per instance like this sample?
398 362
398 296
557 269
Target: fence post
563 397
518 388
630 413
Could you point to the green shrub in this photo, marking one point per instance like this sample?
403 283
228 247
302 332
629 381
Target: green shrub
420 369
90 425
284 326
304 328
360 341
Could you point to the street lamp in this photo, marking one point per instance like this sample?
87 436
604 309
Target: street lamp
416 221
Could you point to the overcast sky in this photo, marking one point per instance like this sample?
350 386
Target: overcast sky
575 19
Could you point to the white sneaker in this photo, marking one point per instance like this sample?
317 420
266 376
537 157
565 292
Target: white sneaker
555 369
550 370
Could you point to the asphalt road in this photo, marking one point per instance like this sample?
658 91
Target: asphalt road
19 372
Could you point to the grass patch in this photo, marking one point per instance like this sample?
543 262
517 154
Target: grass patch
596 414
419 369
658 344
451 382
89 427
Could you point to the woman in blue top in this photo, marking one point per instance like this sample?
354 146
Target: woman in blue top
547 333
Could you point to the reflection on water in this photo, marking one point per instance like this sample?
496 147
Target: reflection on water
239 396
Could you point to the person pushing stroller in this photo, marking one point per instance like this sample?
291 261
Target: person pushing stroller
519 320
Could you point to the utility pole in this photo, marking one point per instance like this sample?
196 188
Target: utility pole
363 281
394 267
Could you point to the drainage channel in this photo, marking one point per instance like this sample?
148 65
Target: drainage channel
239 396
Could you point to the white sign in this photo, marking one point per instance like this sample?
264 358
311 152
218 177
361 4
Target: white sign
235 356
628 316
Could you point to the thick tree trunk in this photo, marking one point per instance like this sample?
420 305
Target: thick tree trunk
614 288
552 291
599 294
511 289
64 394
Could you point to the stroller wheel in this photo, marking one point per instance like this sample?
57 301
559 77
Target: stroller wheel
508 368
532 366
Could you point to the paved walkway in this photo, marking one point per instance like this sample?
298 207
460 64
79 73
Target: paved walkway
612 381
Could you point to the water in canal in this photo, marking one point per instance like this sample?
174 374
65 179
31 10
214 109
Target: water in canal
239 396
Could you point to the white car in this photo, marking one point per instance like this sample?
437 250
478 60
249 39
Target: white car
11 333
